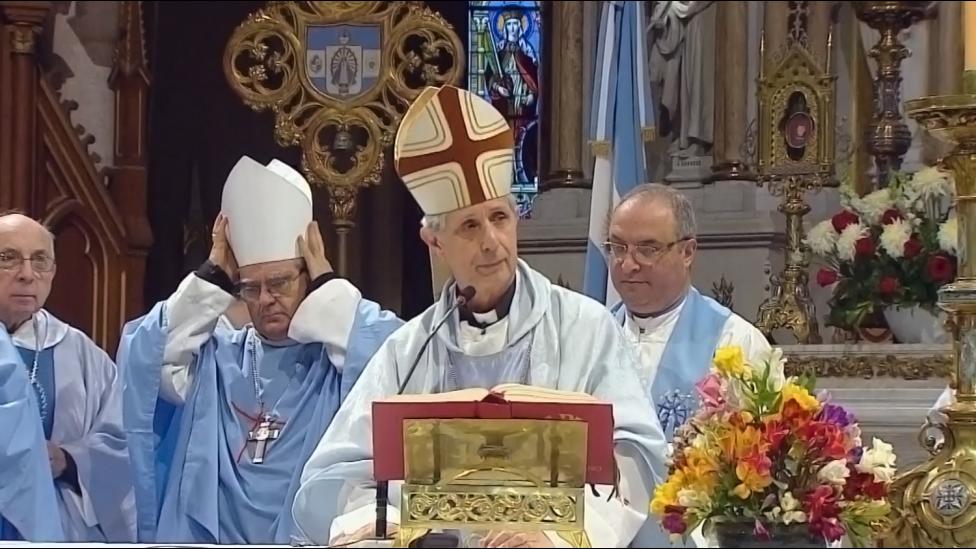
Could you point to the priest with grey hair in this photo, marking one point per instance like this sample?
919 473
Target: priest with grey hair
454 152
77 394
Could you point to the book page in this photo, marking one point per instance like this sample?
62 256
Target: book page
515 392
512 392
476 394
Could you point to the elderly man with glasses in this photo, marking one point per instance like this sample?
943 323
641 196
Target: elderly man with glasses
220 420
72 416
651 248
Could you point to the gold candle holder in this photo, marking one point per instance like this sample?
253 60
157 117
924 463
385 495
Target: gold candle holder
934 504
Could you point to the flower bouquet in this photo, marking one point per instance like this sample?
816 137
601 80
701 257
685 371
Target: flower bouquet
892 247
763 452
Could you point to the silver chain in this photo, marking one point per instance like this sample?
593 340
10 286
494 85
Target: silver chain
255 377
41 393
255 372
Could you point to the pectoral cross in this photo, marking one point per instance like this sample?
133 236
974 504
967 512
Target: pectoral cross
265 431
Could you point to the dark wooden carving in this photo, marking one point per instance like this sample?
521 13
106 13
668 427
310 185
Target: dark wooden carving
99 219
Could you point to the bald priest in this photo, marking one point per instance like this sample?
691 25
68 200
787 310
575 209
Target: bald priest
220 420
454 151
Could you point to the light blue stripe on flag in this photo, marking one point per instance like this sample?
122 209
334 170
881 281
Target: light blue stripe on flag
621 108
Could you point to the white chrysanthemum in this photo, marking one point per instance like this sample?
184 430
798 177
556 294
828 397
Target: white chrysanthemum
894 236
949 235
872 206
822 238
931 182
848 239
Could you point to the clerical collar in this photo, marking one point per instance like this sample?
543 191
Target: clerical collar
487 318
662 312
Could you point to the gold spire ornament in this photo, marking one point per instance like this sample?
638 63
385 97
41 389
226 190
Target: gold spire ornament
795 155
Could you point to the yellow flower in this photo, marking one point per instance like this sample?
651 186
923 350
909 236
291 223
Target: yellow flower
667 493
730 362
739 442
700 471
754 474
792 391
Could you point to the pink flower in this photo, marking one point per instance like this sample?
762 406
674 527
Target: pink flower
760 531
710 389
829 529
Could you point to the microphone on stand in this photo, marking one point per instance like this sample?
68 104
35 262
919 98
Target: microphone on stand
465 295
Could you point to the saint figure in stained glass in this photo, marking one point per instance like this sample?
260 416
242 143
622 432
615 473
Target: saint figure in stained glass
504 69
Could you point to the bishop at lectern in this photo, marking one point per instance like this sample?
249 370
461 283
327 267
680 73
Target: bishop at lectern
497 321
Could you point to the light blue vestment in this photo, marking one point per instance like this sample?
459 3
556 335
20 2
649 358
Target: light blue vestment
687 358
28 504
196 482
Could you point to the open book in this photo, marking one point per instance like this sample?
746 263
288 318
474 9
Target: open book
509 401
511 392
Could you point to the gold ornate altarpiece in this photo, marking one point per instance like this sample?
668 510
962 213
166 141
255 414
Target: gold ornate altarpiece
480 475
795 154
338 77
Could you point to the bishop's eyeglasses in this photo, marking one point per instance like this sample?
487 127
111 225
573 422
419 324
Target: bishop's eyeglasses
278 286
645 254
11 261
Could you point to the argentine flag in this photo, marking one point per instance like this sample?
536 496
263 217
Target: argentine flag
621 120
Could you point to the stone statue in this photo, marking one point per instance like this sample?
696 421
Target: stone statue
682 37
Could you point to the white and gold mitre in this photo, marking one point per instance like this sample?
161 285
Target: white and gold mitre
267 209
454 150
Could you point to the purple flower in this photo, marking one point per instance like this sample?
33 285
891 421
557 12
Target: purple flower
836 415
856 453
760 531
674 523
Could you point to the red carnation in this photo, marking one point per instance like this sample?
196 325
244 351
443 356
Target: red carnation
940 268
890 216
843 219
913 247
826 277
864 246
888 286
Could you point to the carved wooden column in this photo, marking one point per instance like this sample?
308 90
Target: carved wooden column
130 80
731 102
566 96
22 23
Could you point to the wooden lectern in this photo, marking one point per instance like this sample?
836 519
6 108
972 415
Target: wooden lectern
515 458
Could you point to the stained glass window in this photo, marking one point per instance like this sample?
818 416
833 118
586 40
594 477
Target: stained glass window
504 67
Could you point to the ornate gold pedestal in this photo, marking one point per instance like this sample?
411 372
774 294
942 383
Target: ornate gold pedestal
888 136
477 475
934 504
